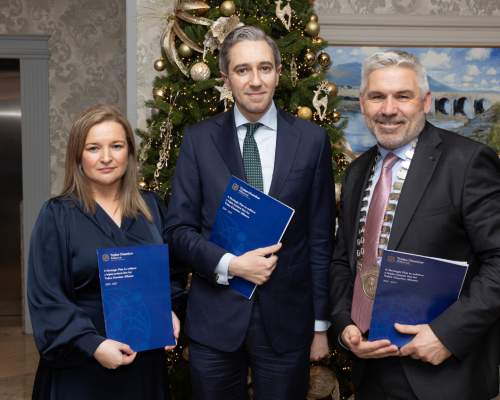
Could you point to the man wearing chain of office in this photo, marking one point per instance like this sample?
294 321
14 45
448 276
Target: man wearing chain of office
426 191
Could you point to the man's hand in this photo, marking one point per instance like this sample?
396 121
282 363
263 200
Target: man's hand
319 346
254 266
425 346
112 354
362 348
177 328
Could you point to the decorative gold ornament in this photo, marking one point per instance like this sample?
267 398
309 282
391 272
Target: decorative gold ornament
185 353
294 74
159 93
309 58
312 28
227 8
324 60
166 138
336 116
284 14
218 32
160 65
226 95
313 18
322 383
332 87
182 12
321 103
343 146
304 113
317 40
184 50
200 72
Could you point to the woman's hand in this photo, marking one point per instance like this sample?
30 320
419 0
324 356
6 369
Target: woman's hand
177 328
112 354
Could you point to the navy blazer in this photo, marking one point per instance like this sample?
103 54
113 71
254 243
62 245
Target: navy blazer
297 292
449 208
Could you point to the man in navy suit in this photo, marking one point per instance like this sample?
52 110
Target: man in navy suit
284 324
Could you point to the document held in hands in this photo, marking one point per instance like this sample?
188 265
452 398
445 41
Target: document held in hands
135 289
413 289
248 219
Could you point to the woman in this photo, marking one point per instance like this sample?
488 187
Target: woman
100 206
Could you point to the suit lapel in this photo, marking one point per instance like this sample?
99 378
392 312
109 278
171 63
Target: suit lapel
287 142
419 175
360 175
226 140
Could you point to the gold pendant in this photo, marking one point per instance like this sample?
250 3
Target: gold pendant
369 280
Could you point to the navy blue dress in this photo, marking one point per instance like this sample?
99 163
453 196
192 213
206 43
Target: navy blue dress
66 308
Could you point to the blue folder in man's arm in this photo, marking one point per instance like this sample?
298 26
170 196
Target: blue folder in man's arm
413 289
135 289
248 219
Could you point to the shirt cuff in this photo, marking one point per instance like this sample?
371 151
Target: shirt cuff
321 326
222 269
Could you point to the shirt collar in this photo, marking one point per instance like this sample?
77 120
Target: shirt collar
400 151
269 119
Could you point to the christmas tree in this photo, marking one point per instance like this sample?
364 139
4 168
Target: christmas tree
190 89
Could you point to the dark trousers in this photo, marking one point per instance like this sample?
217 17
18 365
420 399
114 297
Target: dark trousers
384 379
218 375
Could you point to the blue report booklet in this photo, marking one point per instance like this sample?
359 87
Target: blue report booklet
135 289
413 289
246 220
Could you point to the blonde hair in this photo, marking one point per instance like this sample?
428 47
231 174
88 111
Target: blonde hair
76 182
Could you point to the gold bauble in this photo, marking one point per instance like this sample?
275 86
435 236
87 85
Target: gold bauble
227 8
317 40
184 50
309 58
160 64
332 87
185 353
312 28
313 18
159 93
304 113
200 72
336 116
324 60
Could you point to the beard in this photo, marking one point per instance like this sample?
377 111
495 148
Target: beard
396 131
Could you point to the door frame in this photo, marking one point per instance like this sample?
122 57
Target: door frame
33 54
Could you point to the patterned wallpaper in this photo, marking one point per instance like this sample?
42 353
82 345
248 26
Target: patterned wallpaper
410 7
87 59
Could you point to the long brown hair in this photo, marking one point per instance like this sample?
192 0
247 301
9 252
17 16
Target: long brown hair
75 181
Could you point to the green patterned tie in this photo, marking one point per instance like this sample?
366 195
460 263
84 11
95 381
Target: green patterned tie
251 158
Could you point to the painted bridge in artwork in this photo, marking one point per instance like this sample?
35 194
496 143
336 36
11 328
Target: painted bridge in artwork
464 103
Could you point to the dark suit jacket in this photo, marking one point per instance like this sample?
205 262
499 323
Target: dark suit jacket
297 292
449 208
